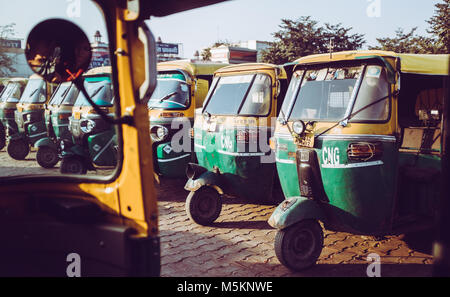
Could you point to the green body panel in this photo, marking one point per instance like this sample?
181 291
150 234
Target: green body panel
45 142
361 193
242 171
8 122
171 163
75 150
36 131
60 126
101 148
300 208
168 162
419 183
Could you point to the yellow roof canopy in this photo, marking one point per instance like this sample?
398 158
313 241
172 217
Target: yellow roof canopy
410 63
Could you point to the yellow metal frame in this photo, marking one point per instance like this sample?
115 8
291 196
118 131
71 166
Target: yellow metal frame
130 197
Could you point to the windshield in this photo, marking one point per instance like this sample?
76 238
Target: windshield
66 94
240 95
34 92
170 93
325 94
12 92
99 91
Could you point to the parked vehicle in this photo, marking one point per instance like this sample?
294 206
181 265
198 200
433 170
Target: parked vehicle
9 97
29 117
182 87
94 141
231 134
57 114
357 150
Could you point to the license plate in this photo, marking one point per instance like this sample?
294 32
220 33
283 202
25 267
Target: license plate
307 140
76 115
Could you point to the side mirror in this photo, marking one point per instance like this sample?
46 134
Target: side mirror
58 50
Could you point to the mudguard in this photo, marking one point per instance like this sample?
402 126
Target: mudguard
18 136
293 210
75 150
45 142
208 178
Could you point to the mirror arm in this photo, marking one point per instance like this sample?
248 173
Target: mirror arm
128 120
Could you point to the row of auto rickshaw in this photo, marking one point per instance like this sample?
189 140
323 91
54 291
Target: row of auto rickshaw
59 122
334 138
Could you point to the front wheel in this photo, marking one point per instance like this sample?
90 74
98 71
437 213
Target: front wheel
204 206
73 165
47 157
18 149
299 246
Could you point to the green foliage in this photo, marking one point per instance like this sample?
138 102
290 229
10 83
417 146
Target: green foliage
440 27
304 37
438 43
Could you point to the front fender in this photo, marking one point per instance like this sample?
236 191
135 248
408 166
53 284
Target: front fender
293 210
18 136
207 178
45 142
75 150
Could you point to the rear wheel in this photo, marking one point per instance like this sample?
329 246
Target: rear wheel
204 206
47 157
18 149
73 165
299 246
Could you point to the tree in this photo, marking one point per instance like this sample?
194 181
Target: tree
6 62
304 37
440 27
406 43
437 43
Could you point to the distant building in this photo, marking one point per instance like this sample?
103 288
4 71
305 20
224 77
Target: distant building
240 52
100 52
257 45
13 48
168 51
233 55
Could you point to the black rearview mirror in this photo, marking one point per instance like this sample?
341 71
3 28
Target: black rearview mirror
58 50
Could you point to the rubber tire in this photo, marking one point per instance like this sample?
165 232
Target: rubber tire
73 165
287 239
204 205
47 157
18 149
2 137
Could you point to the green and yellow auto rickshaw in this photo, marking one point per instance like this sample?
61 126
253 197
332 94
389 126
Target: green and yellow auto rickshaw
29 117
9 98
94 140
231 134
182 87
357 150
57 114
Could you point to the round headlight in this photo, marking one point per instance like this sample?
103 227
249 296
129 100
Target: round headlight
299 127
159 133
87 126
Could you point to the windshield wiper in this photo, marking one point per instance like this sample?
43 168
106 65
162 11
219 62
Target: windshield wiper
32 93
96 91
345 120
164 98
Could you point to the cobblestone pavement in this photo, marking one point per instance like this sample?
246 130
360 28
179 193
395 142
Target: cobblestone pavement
240 242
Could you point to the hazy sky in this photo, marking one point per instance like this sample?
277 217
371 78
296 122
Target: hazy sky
236 20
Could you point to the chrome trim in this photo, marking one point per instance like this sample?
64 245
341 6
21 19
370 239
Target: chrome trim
353 165
173 159
386 138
